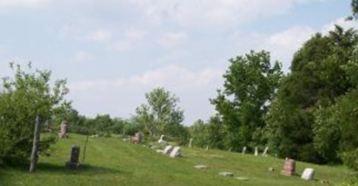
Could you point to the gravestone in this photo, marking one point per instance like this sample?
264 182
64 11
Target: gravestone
265 151
74 158
308 174
161 140
175 152
200 166
256 151
190 142
137 138
168 149
226 174
63 130
207 147
289 167
244 150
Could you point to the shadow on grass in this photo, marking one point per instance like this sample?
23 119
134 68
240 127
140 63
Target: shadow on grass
83 168
49 168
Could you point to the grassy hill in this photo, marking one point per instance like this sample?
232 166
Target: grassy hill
110 161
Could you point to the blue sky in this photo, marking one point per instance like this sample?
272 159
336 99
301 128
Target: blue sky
113 51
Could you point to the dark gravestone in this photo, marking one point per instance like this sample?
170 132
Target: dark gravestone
74 158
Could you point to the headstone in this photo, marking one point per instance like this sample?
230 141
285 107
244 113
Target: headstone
74 158
168 149
226 174
265 151
161 140
230 149
244 150
207 147
190 142
256 151
137 138
200 167
175 152
63 130
289 167
308 174
271 169
242 178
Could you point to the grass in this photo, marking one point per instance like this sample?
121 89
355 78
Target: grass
110 161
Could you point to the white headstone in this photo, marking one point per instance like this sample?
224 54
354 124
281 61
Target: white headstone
256 151
168 149
226 174
244 150
308 174
175 152
265 151
190 142
207 147
200 166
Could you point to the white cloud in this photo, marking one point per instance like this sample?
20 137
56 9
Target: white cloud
172 39
341 22
129 40
23 3
83 56
100 35
120 96
213 12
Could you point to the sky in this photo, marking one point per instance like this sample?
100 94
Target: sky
114 51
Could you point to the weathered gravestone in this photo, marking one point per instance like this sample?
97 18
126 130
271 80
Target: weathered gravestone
137 138
308 174
289 167
168 149
200 166
74 157
265 151
244 150
175 152
190 142
63 130
256 151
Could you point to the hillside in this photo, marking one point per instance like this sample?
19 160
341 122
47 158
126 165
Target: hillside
110 161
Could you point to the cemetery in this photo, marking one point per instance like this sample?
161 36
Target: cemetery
179 93
110 161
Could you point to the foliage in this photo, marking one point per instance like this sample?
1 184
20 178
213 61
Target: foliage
299 121
23 97
161 115
250 84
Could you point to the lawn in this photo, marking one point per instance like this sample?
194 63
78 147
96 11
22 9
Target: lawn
110 161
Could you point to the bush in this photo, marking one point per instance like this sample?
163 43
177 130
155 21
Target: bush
21 100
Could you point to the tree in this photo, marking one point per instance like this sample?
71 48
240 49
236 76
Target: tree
23 97
297 119
250 84
160 115
354 6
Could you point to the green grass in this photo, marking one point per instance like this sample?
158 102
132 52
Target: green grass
110 161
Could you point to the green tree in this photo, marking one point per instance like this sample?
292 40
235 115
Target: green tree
22 98
354 5
250 84
160 115
297 125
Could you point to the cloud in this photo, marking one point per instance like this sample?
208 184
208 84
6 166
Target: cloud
172 39
129 40
83 56
23 3
120 96
213 12
100 35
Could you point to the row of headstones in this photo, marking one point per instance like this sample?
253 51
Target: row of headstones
264 153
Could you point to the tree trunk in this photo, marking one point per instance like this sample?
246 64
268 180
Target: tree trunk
35 146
